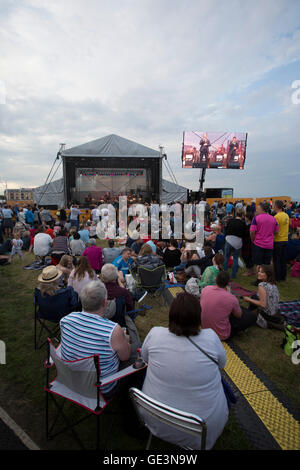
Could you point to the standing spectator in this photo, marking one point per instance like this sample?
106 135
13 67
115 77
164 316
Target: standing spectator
84 234
253 207
7 220
262 230
95 213
74 216
21 216
62 216
94 254
36 214
229 208
280 242
234 234
45 216
247 247
29 217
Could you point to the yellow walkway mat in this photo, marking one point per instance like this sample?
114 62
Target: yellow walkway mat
276 418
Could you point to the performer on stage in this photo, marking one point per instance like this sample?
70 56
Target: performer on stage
233 150
204 150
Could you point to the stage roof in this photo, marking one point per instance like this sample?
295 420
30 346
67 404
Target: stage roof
111 146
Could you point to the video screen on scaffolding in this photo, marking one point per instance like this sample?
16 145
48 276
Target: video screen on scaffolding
214 150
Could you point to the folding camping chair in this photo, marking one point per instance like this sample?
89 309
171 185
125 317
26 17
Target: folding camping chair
119 316
77 382
49 325
48 320
152 281
180 420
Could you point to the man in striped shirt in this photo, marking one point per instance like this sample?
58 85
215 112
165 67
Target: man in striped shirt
87 333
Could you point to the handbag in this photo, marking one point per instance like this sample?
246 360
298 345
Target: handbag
230 396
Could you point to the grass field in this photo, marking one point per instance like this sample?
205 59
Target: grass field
22 378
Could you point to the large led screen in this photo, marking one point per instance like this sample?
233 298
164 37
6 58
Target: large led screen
214 150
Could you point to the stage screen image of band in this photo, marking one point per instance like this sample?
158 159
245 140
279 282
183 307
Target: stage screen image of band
214 150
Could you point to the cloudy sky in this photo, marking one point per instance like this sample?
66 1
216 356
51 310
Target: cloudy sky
72 71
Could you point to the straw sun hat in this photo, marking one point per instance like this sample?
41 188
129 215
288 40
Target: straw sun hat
50 274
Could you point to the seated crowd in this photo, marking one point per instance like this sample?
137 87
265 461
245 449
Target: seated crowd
94 290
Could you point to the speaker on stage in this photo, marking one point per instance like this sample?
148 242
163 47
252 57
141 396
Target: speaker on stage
233 165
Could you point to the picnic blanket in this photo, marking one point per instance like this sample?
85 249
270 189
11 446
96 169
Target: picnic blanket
239 290
37 265
291 312
169 284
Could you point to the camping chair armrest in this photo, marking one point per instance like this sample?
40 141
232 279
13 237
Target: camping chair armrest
141 309
120 374
48 363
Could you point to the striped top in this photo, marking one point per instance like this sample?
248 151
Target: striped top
85 334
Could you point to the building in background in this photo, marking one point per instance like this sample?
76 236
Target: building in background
21 195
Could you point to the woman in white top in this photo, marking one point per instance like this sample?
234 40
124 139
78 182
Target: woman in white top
183 377
81 275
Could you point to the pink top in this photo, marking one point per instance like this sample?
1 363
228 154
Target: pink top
264 226
94 254
217 304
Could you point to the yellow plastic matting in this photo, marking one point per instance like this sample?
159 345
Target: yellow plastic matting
278 421
175 290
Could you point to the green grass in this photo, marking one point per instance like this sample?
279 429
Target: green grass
23 376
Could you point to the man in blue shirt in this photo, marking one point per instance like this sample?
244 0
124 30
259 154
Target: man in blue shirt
29 217
123 263
229 208
84 235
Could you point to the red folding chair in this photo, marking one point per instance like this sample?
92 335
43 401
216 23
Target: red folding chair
77 382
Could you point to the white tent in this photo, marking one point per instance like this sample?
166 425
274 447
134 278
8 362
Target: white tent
50 194
172 192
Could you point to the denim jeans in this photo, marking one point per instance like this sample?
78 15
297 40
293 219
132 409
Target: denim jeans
228 250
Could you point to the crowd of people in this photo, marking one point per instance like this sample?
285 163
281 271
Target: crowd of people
91 291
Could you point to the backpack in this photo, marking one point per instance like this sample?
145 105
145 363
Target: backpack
192 287
295 272
292 334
